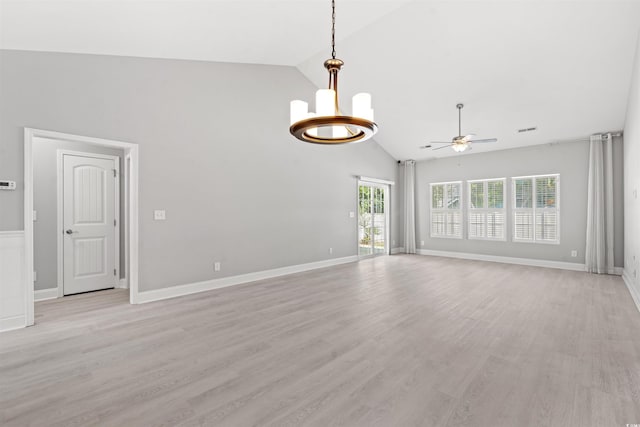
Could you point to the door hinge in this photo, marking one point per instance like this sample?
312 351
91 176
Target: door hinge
115 173
114 271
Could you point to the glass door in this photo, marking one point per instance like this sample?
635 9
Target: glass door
373 219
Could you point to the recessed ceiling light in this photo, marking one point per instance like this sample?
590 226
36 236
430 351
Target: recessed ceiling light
527 129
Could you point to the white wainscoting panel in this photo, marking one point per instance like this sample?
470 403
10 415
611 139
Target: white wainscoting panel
13 292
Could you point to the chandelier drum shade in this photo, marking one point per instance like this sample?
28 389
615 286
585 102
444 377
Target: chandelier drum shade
328 125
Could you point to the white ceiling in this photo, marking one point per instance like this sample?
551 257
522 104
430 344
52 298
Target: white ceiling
563 66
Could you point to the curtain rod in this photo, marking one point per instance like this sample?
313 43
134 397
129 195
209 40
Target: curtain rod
619 133
588 138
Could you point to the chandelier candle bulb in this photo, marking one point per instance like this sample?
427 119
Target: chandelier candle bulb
325 102
369 115
299 111
312 131
361 105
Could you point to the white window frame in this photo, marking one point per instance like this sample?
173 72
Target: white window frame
535 209
460 210
486 209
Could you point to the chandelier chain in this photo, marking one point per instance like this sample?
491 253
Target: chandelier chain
333 29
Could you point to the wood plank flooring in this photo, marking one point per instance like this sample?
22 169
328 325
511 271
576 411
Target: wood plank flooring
393 341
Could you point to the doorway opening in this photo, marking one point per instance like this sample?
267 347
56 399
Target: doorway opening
80 216
373 218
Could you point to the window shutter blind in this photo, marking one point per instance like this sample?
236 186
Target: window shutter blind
446 210
486 216
536 216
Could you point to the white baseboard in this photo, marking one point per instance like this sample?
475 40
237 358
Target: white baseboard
123 284
395 251
633 290
207 285
11 323
506 260
45 294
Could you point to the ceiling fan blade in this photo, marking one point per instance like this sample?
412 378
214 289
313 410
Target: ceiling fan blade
484 140
469 137
444 146
440 142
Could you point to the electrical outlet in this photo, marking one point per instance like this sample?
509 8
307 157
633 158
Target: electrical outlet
352 214
421 242
159 215
216 266
330 251
574 253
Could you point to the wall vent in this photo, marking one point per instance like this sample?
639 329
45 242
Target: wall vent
527 129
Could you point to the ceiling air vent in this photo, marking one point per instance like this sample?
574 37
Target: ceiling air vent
523 130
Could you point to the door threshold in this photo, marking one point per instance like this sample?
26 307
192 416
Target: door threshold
88 292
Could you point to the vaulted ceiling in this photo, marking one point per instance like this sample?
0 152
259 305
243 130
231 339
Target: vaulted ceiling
563 67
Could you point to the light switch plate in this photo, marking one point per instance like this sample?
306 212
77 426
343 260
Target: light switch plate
352 214
159 215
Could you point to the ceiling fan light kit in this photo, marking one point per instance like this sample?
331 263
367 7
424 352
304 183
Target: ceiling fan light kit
461 143
328 125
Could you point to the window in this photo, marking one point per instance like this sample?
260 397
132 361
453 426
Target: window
446 210
536 212
486 212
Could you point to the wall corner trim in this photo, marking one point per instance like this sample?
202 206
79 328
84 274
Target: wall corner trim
506 260
635 293
45 294
208 285
399 250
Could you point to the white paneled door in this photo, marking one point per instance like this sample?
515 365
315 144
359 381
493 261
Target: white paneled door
89 223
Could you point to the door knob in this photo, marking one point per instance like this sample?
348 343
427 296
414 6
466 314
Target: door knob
70 231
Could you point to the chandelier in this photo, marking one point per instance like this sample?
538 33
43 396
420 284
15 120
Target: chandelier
328 125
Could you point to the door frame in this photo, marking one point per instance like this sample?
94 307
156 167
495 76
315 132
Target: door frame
131 151
60 209
380 183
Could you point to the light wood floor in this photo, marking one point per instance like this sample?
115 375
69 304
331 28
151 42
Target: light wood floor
393 341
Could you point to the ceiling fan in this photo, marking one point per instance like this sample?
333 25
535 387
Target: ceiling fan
460 143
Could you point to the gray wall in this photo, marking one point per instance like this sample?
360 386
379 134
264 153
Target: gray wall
632 179
569 159
45 237
215 152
